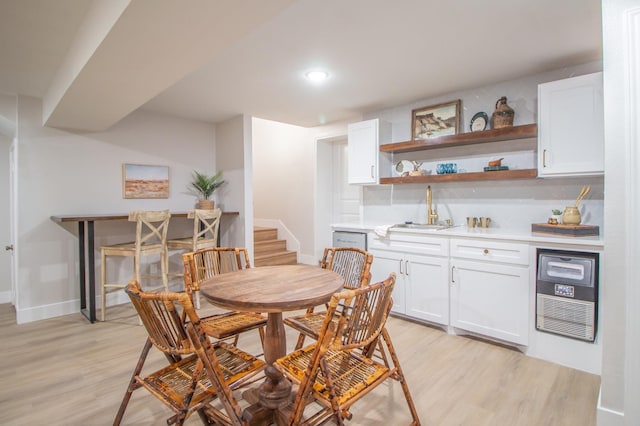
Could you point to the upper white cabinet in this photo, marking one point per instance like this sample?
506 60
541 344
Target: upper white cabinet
570 127
364 139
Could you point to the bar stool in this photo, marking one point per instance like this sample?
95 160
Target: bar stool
151 239
205 233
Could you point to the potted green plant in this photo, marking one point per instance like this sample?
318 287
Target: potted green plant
556 216
204 185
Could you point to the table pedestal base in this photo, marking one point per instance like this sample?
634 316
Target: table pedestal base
270 401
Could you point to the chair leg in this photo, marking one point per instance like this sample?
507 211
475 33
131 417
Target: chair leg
196 298
401 378
136 269
133 384
164 267
103 295
300 341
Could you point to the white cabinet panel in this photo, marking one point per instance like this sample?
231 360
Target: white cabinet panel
426 290
384 263
364 139
421 289
570 127
490 299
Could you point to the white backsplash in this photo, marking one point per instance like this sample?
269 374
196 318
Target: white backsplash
514 204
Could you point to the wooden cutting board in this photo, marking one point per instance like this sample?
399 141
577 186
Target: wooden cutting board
566 230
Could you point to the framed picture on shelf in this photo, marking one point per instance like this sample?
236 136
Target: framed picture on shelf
144 181
436 120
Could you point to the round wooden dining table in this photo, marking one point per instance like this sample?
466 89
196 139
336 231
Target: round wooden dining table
272 290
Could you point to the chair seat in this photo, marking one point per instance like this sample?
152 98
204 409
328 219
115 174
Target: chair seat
187 243
171 381
231 323
124 249
352 374
308 324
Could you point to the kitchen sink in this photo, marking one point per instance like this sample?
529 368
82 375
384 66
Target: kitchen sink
422 226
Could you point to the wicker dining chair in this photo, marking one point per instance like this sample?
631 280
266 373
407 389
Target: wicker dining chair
354 266
198 371
150 240
206 263
334 371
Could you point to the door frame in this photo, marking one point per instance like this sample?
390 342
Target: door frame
13 218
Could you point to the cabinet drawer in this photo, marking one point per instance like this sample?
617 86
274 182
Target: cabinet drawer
410 243
494 251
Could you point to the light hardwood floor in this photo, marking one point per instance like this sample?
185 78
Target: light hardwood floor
65 371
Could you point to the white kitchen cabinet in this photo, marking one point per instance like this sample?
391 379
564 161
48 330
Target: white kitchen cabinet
490 289
421 289
570 127
364 161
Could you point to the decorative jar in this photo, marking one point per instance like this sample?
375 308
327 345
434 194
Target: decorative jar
571 216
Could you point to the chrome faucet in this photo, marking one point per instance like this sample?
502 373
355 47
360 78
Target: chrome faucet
432 216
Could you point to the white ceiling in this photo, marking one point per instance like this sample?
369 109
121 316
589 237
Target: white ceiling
251 57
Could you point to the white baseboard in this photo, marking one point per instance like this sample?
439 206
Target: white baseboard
5 296
68 307
52 310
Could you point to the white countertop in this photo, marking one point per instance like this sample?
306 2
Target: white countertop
522 235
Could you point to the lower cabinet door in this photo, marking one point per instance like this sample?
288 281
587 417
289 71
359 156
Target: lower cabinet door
384 263
490 299
426 289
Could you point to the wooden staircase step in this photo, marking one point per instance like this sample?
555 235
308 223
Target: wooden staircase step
269 246
279 258
264 234
268 250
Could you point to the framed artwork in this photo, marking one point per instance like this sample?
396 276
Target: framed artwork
143 181
436 120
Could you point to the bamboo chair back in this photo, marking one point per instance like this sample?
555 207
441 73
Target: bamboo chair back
162 320
203 264
206 263
331 371
353 264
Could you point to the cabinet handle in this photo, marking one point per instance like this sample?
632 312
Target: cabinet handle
452 280
406 267
486 251
544 158
372 171
401 273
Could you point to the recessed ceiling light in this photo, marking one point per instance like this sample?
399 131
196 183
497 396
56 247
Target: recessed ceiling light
316 76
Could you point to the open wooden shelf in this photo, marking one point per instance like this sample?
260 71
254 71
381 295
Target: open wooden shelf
464 177
507 133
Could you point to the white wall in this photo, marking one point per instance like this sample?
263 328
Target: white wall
620 382
234 159
510 204
61 172
283 178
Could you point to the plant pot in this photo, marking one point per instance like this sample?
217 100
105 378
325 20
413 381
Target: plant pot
206 204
